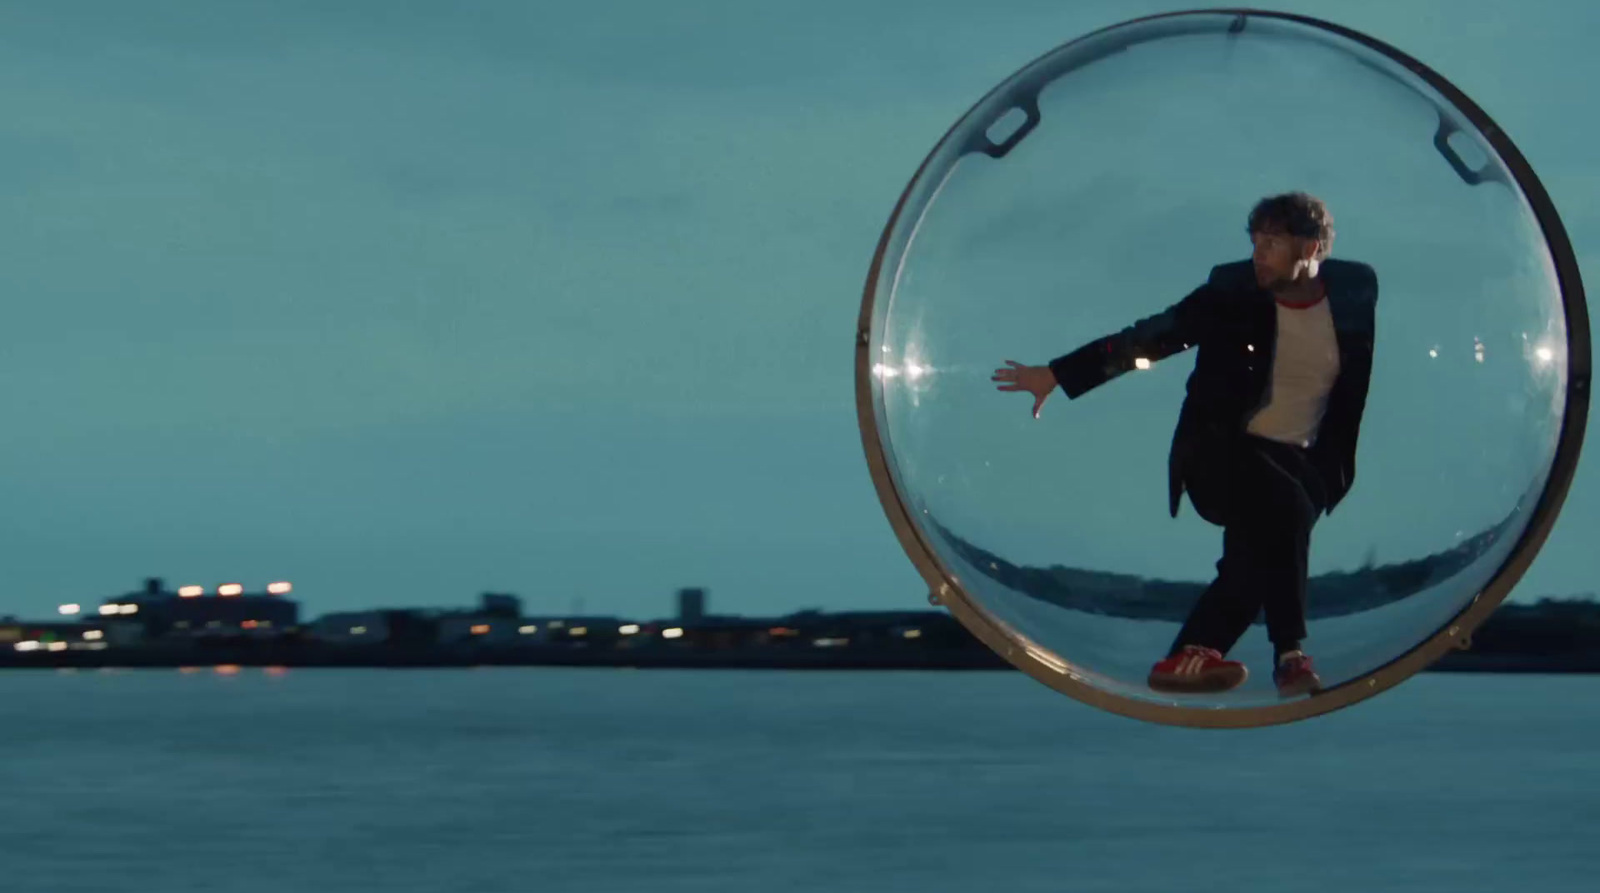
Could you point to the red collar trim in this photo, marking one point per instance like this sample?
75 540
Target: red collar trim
1322 294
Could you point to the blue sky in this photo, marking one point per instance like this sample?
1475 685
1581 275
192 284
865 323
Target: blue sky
408 302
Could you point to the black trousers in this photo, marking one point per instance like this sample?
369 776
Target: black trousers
1266 496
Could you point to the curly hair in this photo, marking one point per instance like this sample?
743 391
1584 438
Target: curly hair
1297 214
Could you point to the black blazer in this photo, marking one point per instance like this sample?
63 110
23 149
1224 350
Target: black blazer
1234 324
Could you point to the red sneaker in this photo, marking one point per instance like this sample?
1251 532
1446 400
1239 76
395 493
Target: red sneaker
1197 670
1295 677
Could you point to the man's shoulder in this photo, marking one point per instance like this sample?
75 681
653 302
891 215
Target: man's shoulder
1351 279
1352 270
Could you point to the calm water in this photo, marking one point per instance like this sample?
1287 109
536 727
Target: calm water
555 780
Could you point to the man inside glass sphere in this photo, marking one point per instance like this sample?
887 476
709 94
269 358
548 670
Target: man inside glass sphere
1266 438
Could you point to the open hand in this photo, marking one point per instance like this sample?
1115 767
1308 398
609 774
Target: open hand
1036 380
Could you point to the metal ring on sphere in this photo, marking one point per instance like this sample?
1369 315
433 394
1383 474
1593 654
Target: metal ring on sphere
1021 92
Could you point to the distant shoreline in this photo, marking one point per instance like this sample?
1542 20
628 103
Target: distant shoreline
158 629
963 660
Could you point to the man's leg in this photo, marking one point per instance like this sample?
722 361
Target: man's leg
1218 488
1275 519
1229 605
1283 506
1196 661
1269 502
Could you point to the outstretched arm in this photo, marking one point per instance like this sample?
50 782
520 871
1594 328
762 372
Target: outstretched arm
1139 346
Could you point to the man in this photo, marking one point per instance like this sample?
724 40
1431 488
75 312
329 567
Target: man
1266 439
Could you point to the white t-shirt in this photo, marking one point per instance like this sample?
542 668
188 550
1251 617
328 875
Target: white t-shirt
1304 366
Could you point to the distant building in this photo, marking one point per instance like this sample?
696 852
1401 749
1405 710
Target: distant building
478 628
500 604
352 628
401 627
581 631
52 635
714 633
691 605
193 611
877 628
493 622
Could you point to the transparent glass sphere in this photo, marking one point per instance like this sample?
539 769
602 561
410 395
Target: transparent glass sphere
1100 185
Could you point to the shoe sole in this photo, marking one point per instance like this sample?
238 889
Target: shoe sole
1206 683
1305 687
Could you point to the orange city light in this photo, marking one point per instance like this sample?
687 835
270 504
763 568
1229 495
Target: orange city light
280 588
230 589
191 591
480 629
